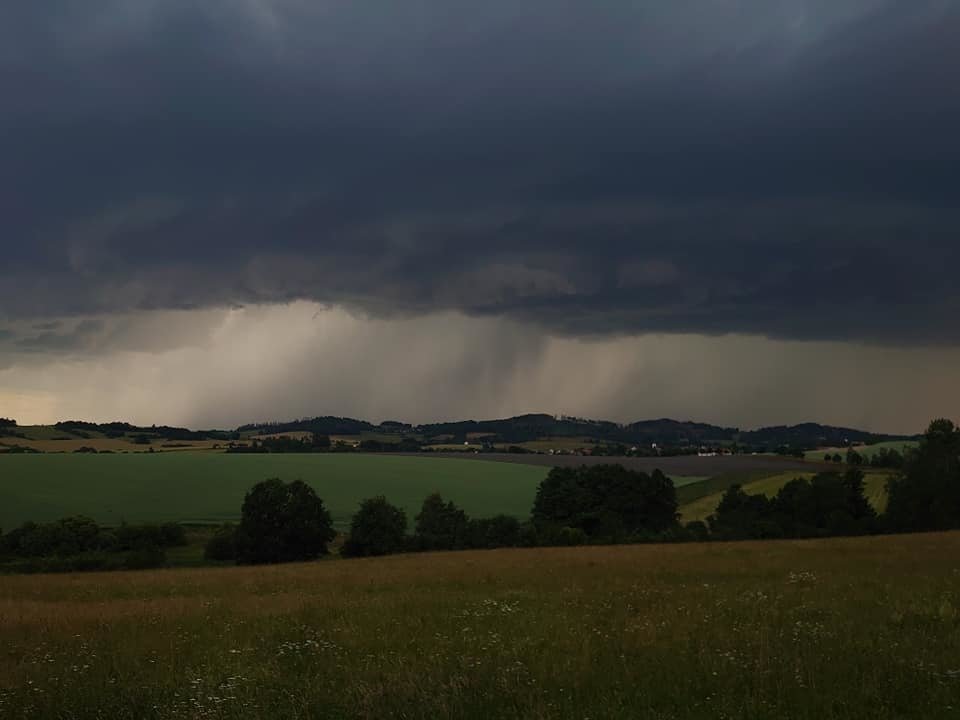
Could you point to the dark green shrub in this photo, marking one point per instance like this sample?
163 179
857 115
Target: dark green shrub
441 525
144 558
377 528
173 535
222 546
571 536
495 532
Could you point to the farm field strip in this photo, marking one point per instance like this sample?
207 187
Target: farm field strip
866 451
674 466
185 486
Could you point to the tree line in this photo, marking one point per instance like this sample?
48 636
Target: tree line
79 543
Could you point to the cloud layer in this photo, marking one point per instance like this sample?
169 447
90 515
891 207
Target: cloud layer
764 167
223 368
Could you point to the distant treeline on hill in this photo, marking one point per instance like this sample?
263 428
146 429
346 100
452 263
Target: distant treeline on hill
647 437
122 429
525 428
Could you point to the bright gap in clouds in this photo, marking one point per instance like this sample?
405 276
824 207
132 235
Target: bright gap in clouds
221 368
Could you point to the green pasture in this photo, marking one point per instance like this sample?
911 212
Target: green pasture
208 487
866 451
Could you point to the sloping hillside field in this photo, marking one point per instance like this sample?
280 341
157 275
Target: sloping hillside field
209 487
852 629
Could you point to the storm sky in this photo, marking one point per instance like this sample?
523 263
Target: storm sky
743 212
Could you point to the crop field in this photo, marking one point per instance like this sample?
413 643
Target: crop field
680 465
209 487
553 443
702 507
841 629
49 439
867 451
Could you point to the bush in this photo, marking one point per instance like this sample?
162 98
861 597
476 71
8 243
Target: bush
173 535
282 522
222 547
144 558
138 537
571 536
441 526
697 531
495 532
63 538
378 528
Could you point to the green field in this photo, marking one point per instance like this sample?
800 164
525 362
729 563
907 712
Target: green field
867 451
209 487
838 629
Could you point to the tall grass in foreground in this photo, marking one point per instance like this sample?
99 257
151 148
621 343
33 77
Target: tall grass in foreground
854 628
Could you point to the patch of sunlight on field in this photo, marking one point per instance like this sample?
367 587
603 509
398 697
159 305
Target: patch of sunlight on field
867 451
684 480
702 508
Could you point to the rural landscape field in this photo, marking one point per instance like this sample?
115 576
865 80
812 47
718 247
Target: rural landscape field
857 628
500 360
207 488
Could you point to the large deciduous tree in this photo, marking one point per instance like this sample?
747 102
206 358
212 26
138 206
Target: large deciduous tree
282 522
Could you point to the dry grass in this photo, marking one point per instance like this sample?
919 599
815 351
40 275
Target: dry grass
68 445
853 628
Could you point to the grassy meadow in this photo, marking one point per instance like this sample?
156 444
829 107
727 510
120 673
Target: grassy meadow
861 628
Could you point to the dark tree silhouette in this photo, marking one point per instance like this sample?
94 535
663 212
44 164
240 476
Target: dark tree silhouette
282 522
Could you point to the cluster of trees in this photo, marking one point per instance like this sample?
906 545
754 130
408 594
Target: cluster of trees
283 522
924 495
79 543
318 442
882 458
826 505
605 503
315 442
7 422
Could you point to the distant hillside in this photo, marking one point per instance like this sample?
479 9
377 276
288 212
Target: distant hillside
531 427
536 432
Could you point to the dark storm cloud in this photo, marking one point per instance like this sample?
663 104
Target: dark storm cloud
782 168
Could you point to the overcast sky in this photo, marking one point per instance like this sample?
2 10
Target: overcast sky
744 212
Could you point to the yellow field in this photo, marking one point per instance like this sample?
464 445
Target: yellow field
112 444
702 508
